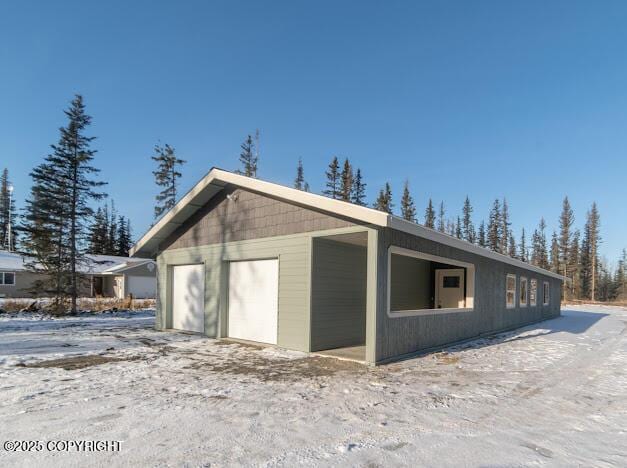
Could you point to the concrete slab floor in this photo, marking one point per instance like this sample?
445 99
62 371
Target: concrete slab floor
350 353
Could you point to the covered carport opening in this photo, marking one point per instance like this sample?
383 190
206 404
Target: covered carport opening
339 295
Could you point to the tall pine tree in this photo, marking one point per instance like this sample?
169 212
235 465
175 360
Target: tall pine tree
567 218
123 238
346 181
384 200
481 238
8 215
458 229
63 187
332 189
408 207
166 176
249 156
299 181
590 254
523 257
441 220
358 194
468 227
511 246
554 255
506 233
430 215
495 227
99 233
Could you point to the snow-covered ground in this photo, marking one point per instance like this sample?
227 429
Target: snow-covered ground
551 394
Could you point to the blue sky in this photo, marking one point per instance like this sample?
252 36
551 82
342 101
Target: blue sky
526 100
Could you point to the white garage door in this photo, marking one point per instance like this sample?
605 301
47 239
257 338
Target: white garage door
254 300
141 287
188 298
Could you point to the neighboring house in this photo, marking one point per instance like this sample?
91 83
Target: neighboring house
247 259
103 276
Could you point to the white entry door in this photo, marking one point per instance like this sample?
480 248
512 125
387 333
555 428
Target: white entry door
449 292
254 300
188 298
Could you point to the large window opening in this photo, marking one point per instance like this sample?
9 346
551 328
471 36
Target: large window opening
426 284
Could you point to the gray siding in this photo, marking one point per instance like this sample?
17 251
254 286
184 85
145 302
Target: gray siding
402 335
140 270
338 295
247 216
26 282
293 253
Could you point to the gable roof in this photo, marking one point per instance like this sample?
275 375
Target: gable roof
217 179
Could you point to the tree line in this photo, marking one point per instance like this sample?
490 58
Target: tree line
59 225
571 252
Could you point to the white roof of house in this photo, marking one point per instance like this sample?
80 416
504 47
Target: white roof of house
11 261
216 179
95 264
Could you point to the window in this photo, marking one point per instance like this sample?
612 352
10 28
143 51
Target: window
425 284
7 278
533 293
546 293
510 292
523 292
451 282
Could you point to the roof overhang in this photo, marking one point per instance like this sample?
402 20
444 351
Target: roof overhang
217 179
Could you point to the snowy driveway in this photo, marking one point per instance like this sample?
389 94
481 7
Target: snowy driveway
552 394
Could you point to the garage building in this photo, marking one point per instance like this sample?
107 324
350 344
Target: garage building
251 260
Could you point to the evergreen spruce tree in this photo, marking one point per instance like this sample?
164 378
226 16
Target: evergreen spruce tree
430 215
8 215
482 235
523 257
574 266
333 180
113 231
566 221
506 233
63 187
99 233
249 157
511 246
468 227
358 194
384 200
458 229
408 207
123 237
590 255
554 259
620 279
43 229
299 182
495 226
346 181
441 221
540 255
166 176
